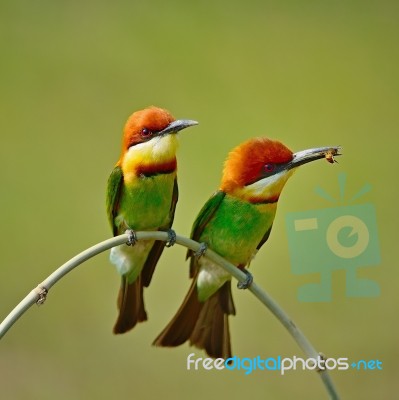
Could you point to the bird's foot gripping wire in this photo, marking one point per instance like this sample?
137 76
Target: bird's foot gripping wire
203 247
171 238
132 237
248 280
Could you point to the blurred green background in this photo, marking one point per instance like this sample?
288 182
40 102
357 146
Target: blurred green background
308 73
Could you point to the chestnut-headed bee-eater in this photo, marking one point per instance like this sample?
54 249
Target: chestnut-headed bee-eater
235 222
141 195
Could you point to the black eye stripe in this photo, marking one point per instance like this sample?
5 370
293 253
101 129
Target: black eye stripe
269 167
267 170
145 132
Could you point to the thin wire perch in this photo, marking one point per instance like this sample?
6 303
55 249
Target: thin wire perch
38 295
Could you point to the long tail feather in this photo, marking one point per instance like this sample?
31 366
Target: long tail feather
204 325
131 306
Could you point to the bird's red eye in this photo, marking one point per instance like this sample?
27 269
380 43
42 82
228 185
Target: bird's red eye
269 167
146 132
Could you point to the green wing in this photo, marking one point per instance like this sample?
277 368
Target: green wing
264 239
114 185
157 248
175 197
204 216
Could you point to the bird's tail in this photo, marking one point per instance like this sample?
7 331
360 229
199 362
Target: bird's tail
205 325
130 305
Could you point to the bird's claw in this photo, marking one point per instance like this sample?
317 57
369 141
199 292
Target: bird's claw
171 238
132 237
203 247
42 293
248 280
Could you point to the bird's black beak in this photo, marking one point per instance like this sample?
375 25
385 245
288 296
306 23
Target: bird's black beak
306 156
177 126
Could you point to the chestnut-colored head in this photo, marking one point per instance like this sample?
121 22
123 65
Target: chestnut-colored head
143 125
258 169
253 161
150 142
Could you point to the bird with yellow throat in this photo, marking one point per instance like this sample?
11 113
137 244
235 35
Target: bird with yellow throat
142 193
